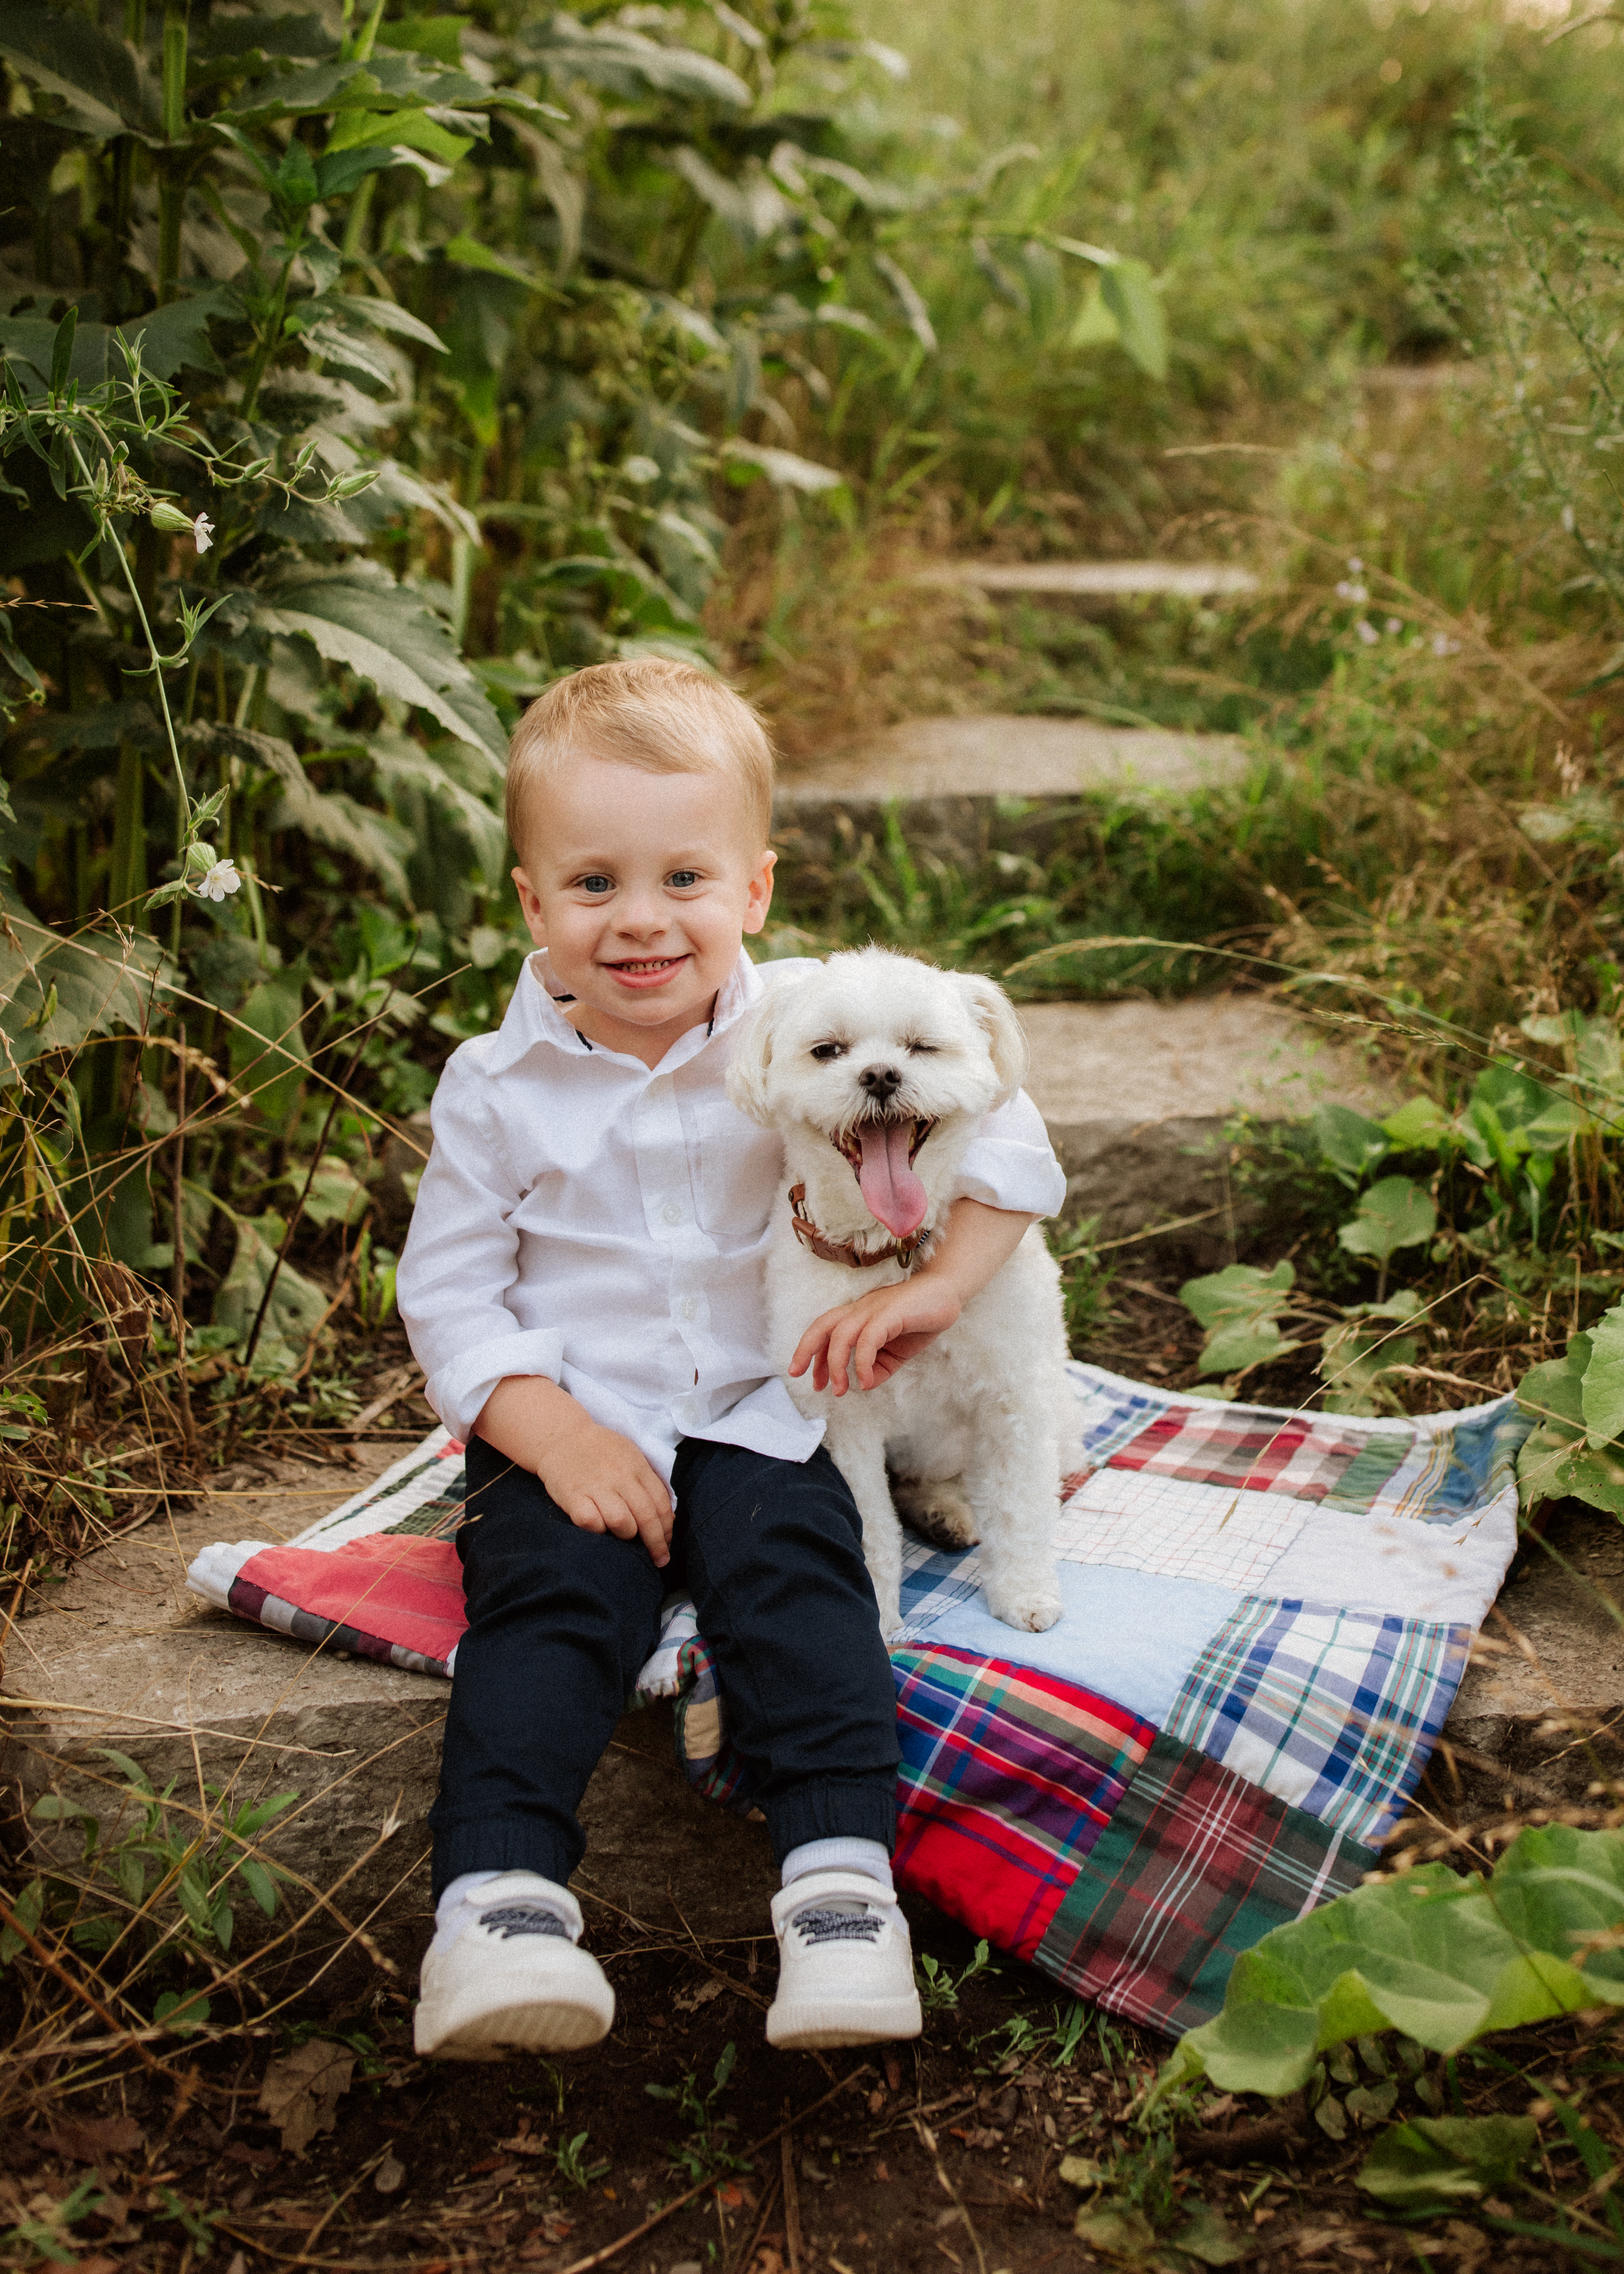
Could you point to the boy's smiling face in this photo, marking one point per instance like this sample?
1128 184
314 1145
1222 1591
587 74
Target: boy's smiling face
641 886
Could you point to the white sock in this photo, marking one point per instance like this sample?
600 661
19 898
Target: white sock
865 1856
459 1907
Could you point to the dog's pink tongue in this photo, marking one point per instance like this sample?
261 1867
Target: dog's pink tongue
894 1194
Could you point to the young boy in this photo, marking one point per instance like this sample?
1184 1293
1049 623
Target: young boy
582 1286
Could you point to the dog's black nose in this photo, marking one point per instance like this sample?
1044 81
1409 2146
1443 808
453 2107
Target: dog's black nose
882 1083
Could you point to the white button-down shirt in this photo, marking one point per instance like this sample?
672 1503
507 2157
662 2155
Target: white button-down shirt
605 1223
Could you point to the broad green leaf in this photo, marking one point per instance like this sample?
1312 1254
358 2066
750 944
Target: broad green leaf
1595 1477
1210 2239
1392 1213
92 983
1602 1395
297 1307
386 82
410 130
386 316
1436 2162
1419 1126
783 467
440 36
358 616
628 63
1238 1308
1543 1118
1241 1289
1348 1142
269 1055
1129 290
177 336
106 86
1441 1958
26 343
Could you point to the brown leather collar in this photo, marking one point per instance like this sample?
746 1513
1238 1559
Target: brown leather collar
847 1251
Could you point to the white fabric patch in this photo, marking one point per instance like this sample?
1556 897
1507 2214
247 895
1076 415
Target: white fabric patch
1220 1533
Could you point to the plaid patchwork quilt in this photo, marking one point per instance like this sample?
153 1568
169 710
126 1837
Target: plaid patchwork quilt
1267 1617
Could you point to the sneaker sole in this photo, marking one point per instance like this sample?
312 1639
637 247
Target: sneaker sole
470 2029
819 2027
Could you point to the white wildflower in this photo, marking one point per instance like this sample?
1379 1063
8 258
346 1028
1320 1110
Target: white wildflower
1356 567
203 537
1355 592
1442 645
1367 631
1394 624
641 470
219 880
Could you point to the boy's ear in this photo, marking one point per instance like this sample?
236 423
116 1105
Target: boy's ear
1006 1037
746 1071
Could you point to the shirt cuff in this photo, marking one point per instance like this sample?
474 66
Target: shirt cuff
457 1391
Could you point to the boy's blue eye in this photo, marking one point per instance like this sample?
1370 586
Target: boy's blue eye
682 877
596 884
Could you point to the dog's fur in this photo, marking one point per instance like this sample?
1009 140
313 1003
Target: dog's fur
969 1428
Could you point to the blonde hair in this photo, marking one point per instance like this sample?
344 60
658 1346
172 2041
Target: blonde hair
667 716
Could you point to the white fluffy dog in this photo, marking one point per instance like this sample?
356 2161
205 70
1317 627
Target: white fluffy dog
878 1070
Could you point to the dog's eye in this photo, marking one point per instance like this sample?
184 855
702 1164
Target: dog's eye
825 1051
922 1050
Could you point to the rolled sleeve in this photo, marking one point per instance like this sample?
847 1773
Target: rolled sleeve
461 1257
1010 1164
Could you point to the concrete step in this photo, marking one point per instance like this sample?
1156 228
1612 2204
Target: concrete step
1136 1097
955 776
126 1657
1097 580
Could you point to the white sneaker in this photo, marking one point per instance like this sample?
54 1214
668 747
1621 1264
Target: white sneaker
846 1965
514 1981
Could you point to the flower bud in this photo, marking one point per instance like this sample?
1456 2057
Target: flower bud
171 518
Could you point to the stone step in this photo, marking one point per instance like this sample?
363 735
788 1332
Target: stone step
126 1657
955 776
1136 1096
1097 580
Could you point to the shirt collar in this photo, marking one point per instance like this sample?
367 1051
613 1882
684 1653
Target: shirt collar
533 1016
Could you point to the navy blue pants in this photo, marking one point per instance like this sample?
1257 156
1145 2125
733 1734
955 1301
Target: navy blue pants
560 1621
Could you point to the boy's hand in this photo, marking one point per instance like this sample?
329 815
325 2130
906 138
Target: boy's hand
884 1329
603 1483
880 1331
599 1478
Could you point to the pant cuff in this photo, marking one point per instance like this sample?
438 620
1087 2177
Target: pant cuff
866 1811
502 1845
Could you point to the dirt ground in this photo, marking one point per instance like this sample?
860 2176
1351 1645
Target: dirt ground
943 2152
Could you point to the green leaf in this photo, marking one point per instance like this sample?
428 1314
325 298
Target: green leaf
27 1910
1531 1115
183 2010
297 1307
358 616
62 352
440 36
1211 2239
102 983
106 86
1129 290
783 469
1433 2163
1348 1142
1419 1126
1394 1213
1602 1398
1238 1308
1444 1958
628 63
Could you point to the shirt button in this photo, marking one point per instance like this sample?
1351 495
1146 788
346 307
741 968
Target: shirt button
672 1213
690 1309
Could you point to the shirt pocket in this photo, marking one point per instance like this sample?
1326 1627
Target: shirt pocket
740 1169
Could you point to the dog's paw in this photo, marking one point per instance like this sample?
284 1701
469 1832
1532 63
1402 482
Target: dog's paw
1032 1607
938 1512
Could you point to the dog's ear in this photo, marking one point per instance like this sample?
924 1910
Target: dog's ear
746 1071
1006 1037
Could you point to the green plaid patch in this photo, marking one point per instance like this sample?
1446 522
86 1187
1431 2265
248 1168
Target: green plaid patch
1196 1865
